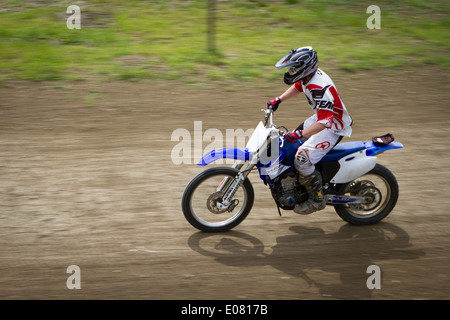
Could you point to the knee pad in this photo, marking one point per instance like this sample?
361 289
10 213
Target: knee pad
302 160
303 155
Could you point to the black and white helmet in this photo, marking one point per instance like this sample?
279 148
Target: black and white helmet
301 62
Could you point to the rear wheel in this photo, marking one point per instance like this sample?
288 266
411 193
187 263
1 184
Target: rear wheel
202 202
380 189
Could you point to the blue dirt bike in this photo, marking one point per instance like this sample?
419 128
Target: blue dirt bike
361 190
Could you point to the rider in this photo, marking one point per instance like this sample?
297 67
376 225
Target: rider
323 130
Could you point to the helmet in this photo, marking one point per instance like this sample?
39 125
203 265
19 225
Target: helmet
301 62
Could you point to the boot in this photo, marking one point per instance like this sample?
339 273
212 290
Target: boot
316 200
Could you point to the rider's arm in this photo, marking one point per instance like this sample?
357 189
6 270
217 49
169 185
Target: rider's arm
289 93
313 129
308 132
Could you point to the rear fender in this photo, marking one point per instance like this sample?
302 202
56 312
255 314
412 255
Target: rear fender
354 165
372 149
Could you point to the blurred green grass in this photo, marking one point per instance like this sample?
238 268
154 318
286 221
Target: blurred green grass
163 39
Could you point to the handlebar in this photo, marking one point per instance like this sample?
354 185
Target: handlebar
268 122
268 118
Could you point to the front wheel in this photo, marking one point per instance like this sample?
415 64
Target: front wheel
202 200
380 189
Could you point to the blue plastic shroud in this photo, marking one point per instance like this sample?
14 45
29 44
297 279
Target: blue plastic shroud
343 149
287 152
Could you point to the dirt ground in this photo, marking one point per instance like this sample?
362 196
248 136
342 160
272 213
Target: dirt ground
87 179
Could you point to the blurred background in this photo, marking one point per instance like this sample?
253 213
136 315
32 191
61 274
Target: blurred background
168 39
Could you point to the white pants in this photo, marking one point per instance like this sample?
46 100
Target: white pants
313 150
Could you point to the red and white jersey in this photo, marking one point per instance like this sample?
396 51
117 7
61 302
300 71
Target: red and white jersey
326 103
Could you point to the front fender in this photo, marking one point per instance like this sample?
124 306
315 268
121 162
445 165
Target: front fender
230 153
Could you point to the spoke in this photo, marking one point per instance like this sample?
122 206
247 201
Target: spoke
206 203
375 189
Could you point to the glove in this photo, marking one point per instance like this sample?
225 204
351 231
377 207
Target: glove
273 104
292 137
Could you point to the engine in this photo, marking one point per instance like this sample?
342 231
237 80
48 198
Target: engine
287 192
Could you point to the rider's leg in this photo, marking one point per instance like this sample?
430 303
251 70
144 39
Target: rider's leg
308 154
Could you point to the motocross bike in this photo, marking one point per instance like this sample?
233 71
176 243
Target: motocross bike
362 191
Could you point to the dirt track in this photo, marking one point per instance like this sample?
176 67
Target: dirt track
86 178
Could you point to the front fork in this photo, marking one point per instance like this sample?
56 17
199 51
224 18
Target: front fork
231 185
